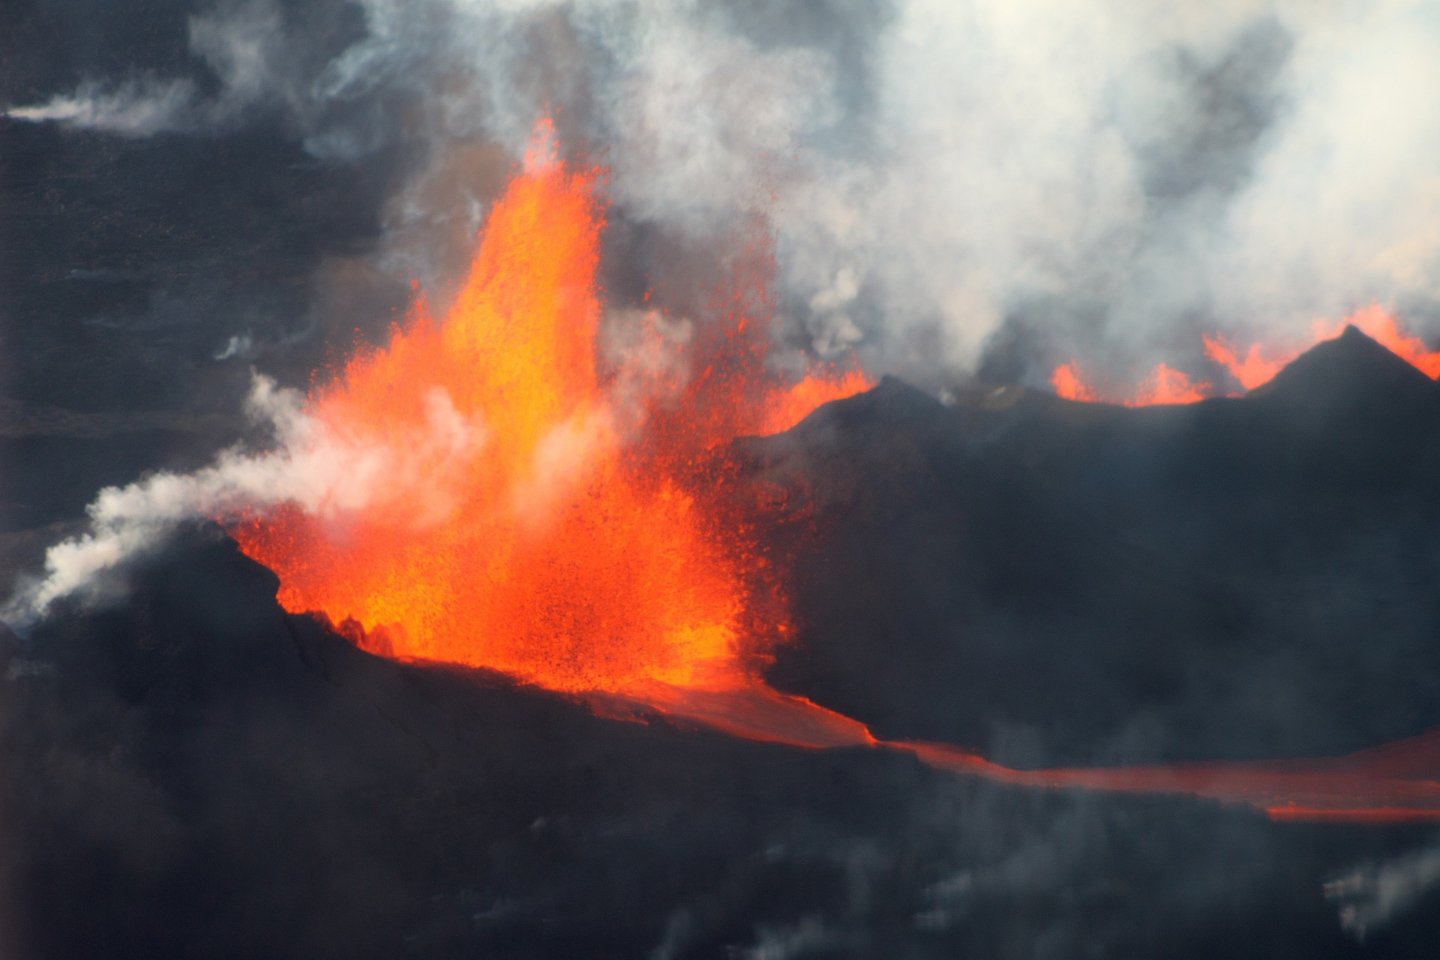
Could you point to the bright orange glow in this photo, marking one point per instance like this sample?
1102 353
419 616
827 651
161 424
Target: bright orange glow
1384 329
562 549
1164 385
1167 385
1260 363
1257 365
1251 370
1067 383
795 404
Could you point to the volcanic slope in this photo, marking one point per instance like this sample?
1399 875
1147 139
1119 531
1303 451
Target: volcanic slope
1053 583
195 772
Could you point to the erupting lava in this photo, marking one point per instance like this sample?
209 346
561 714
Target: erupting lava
1255 366
1258 364
1164 385
549 522
553 539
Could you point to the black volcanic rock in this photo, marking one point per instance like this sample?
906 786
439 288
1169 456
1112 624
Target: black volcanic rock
195 773
1352 368
1057 583
199 774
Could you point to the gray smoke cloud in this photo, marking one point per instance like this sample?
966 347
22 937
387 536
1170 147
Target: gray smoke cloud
1372 895
1117 177
135 108
330 473
244 46
1112 178
336 472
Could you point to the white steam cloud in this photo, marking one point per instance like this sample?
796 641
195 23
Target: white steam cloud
1370 897
335 470
136 108
1115 177
1112 178
329 473
242 45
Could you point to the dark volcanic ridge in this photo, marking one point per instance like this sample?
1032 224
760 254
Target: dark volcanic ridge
197 773
1056 583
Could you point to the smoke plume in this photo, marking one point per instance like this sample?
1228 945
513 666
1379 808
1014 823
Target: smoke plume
1372 896
330 475
242 46
1094 178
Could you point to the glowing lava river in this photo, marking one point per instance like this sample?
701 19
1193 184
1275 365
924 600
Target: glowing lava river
557 520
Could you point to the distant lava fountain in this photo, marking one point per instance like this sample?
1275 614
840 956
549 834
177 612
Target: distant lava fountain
1258 364
1250 368
557 517
1164 385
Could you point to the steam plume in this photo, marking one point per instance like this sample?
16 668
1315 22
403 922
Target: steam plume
243 45
135 108
1371 896
328 474
1085 175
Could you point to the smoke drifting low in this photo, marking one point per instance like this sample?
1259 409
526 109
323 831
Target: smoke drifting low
329 474
1372 896
1087 179
243 47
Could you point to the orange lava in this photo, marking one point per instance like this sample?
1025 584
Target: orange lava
1253 366
1250 370
1167 385
1164 385
752 711
1391 784
1260 363
1383 328
550 533
795 404
1068 384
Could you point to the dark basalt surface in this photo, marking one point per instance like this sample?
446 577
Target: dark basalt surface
1059 583
195 773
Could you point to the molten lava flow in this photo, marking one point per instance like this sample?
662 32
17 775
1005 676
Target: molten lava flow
563 548
1390 784
1394 783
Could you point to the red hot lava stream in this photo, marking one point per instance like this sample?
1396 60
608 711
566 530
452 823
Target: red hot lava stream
549 524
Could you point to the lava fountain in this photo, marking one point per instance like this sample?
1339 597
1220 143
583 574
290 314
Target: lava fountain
562 547
1251 367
